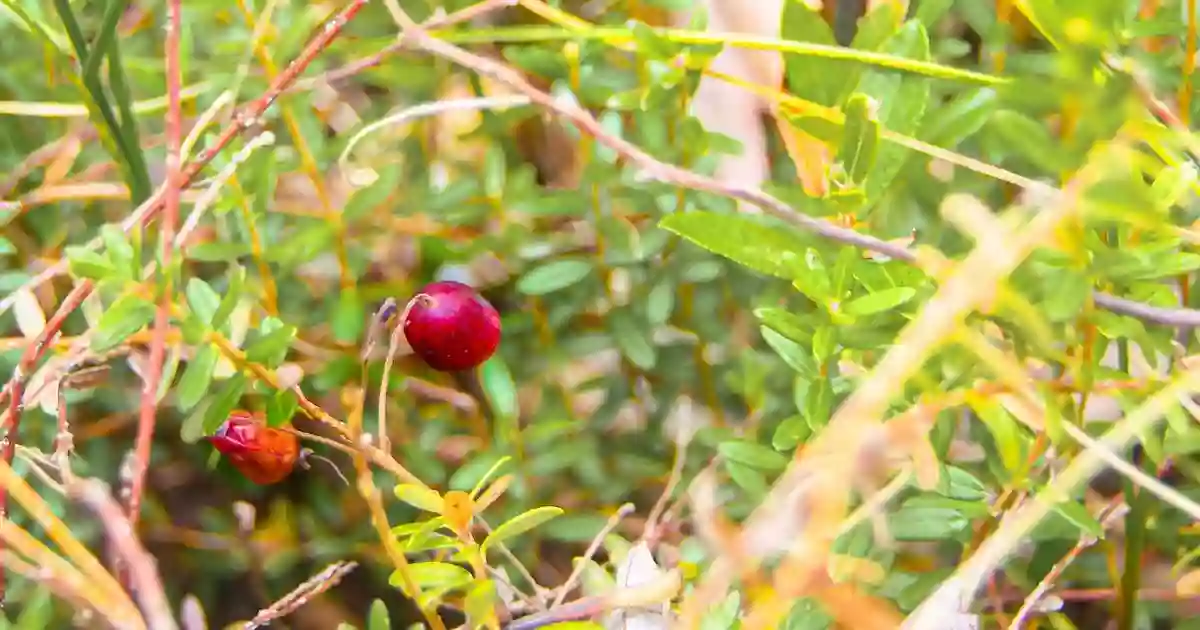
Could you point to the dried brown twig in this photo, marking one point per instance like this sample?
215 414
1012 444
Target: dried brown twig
317 584
144 580
418 35
1111 514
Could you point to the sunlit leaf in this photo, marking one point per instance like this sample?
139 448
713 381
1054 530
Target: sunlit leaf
520 524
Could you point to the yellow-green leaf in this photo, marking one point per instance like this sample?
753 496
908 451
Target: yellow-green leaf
521 523
432 575
418 497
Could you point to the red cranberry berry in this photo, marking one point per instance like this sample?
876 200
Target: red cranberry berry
451 327
264 455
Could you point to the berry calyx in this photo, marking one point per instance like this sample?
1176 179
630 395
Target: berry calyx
451 327
265 455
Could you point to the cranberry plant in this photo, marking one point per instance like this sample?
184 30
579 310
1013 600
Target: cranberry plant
937 367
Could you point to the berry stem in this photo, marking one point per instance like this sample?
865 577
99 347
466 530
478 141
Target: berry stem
385 442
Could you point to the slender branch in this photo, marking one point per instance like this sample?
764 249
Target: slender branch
677 176
15 389
143 570
174 136
317 584
1111 513
463 15
597 540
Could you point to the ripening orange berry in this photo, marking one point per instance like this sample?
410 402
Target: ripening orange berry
265 455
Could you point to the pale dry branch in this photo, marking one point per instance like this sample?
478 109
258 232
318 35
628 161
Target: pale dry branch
142 569
1110 515
957 592
593 547
424 110
210 194
299 596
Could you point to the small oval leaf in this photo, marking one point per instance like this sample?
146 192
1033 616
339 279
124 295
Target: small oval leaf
879 301
418 497
520 524
554 276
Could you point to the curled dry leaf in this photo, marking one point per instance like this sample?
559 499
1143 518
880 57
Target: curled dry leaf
191 614
1188 585
42 389
289 375
637 569
731 110
92 309
239 327
31 319
685 419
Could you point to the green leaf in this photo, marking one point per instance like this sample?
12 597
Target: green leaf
520 524
791 352
921 523
480 602
281 407
902 100
495 171
124 317
487 476
554 276
790 433
747 478
809 77
418 497
1173 183
930 11
786 323
660 303
1079 516
428 540
770 250
1067 292
961 118
119 250
432 575
202 299
752 454
725 615
237 279
1005 431
498 386
633 340
860 137
192 427
349 317
272 343
85 263
193 385
806 614
378 618
818 403
1027 138
224 403
959 484
372 196
879 301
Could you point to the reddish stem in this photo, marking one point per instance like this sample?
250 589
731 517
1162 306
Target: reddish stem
158 340
241 121
15 390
